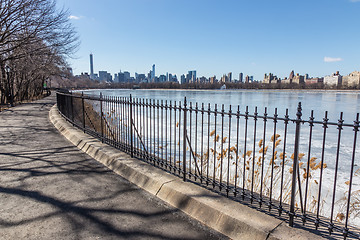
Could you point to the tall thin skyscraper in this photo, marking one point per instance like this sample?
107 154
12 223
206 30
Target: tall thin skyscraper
153 72
91 67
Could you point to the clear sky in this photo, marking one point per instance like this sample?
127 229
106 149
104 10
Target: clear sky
215 37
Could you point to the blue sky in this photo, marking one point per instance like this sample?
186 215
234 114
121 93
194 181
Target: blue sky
215 37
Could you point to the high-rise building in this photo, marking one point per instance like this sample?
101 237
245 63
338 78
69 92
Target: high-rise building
91 67
182 79
230 77
191 76
127 76
241 77
153 72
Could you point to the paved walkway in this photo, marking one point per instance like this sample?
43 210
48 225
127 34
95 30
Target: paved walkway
51 190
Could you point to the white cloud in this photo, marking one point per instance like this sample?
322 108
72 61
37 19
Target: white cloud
72 17
331 59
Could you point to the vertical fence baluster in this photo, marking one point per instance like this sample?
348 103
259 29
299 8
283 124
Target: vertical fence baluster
237 149
253 161
148 137
340 128
222 146
72 108
245 143
307 174
263 158
189 136
166 134
118 122
158 132
196 140
144 130
179 148
101 118
356 129
154 130
325 126
228 165
202 143
208 148
184 139
295 165
131 127
170 132
175 124
272 161
121 119
215 138
83 110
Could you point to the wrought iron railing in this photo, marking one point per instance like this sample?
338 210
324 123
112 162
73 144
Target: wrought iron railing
306 169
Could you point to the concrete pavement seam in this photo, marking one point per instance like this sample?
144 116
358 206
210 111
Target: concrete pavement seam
162 186
271 231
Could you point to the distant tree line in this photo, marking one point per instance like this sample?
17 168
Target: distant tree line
76 84
35 39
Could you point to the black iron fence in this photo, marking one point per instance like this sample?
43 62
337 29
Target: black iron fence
304 169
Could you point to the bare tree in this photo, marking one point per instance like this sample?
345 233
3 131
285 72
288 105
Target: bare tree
35 38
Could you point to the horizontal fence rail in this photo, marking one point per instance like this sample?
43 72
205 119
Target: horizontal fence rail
303 168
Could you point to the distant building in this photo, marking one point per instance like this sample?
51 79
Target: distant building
298 79
105 76
271 78
334 79
229 77
351 80
247 79
182 79
127 76
162 78
292 75
91 67
191 76
213 79
140 77
203 80
153 72
315 80
241 77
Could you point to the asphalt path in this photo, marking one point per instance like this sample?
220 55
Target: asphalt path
51 190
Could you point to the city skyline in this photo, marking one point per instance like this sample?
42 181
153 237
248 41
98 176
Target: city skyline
257 37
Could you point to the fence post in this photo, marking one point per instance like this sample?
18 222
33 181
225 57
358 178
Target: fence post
101 120
72 108
83 110
184 139
131 129
295 165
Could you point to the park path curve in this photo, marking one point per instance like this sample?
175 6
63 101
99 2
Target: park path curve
51 190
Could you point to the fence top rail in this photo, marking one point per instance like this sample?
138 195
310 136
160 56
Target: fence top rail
203 108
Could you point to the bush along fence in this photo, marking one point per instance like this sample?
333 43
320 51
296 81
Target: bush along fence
306 170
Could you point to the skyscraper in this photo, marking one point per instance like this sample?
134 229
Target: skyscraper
91 67
153 72
241 77
230 76
191 76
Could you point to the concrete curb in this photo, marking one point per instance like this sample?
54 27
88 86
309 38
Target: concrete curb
224 215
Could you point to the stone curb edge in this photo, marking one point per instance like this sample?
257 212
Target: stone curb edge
230 218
